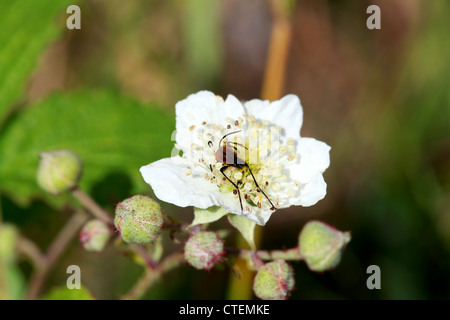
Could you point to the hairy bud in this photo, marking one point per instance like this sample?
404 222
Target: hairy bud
322 245
203 250
94 236
139 219
274 281
59 171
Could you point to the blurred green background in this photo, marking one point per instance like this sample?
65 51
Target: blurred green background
379 98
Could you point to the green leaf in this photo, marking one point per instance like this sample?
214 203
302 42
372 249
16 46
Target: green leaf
113 135
209 215
26 29
64 293
245 226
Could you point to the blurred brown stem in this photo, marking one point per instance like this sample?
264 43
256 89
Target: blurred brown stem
54 251
280 40
272 89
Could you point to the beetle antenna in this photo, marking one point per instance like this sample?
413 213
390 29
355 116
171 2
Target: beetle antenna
228 135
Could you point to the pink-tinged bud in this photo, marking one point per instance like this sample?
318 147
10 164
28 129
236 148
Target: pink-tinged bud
322 245
274 281
94 236
139 219
203 250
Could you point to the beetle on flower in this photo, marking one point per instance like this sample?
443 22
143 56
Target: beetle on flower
247 158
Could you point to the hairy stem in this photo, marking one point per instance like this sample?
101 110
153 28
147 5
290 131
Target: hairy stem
288 254
56 248
152 275
292 254
149 262
65 235
175 225
92 206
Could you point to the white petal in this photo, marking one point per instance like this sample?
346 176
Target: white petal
313 158
232 109
309 194
169 181
196 108
203 107
286 113
257 215
312 192
231 205
263 216
192 112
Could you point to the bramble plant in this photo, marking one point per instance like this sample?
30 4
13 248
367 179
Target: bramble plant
232 160
260 164
121 179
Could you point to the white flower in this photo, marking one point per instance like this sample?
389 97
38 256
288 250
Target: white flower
261 165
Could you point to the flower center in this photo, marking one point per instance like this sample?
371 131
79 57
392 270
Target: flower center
245 158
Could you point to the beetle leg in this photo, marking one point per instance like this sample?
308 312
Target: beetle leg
237 189
256 183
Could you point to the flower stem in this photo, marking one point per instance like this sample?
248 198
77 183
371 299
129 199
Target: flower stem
289 254
92 206
175 225
152 275
32 251
140 250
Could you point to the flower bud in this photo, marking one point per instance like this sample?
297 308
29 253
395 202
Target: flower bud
59 171
322 245
274 281
94 236
8 238
203 250
139 219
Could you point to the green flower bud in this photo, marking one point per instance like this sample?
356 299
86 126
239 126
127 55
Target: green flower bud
274 281
139 219
59 171
8 239
322 245
203 250
94 236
